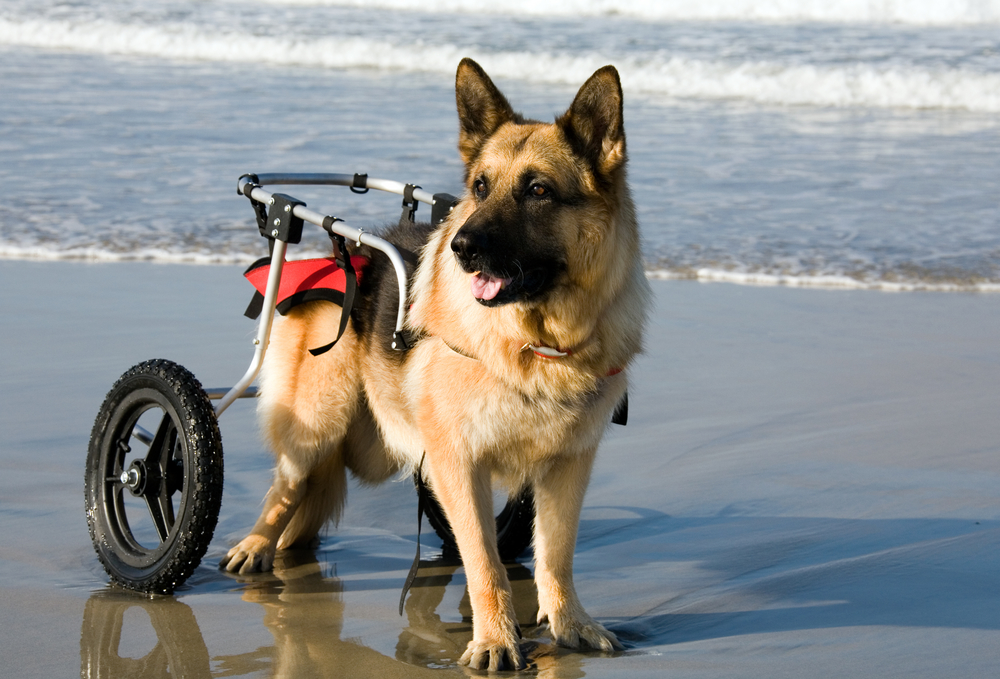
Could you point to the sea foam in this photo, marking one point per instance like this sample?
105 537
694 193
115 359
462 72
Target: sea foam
824 281
98 254
657 74
918 12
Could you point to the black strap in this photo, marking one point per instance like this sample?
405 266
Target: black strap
328 223
410 204
621 411
412 575
259 211
350 288
253 181
360 184
256 306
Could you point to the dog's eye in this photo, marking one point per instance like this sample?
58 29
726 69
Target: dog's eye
480 188
539 190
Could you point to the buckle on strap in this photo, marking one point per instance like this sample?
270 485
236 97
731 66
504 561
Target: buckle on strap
546 352
360 184
410 204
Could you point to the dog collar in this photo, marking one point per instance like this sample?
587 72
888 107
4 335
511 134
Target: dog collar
546 352
539 350
550 352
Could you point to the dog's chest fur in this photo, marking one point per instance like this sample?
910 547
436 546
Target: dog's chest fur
499 424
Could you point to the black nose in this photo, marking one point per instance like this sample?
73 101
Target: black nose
470 245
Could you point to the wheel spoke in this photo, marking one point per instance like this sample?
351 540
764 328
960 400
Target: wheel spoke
161 511
160 448
175 476
156 493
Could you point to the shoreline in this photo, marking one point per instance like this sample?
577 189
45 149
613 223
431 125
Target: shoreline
699 275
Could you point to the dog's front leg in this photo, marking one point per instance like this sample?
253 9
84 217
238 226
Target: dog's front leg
464 490
558 502
256 551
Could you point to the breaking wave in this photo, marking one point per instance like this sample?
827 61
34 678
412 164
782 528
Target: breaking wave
659 74
888 281
918 12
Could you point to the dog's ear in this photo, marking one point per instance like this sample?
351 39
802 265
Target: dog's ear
594 125
481 108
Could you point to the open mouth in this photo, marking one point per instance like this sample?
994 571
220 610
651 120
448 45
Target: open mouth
485 287
490 290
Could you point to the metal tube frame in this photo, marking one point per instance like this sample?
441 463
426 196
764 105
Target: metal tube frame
242 388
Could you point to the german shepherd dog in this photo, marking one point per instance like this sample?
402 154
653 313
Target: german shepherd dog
528 304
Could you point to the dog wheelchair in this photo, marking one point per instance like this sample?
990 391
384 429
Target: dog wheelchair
154 470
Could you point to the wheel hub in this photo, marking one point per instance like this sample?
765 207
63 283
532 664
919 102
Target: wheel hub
134 478
130 478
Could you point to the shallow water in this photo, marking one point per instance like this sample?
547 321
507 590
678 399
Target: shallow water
859 151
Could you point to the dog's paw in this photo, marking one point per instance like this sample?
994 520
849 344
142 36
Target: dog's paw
494 656
253 554
575 629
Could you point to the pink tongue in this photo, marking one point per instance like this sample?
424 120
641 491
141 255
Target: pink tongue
485 286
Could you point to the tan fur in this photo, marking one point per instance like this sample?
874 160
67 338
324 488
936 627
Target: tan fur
496 412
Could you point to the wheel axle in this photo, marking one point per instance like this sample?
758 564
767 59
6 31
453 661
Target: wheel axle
131 478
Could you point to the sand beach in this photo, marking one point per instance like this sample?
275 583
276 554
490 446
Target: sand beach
809 485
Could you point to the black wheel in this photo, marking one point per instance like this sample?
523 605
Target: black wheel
515 523
153 482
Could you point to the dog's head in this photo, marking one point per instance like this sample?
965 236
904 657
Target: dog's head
539 197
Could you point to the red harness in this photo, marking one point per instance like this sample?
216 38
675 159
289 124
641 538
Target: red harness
308 280
303 280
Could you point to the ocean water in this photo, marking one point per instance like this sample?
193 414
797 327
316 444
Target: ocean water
851 143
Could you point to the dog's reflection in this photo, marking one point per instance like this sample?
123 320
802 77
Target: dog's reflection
427 637
304 612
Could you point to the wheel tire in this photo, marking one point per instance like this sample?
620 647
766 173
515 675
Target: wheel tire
178 477
515 523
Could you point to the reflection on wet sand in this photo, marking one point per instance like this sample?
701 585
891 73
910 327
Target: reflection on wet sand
429 641
304 612
179 651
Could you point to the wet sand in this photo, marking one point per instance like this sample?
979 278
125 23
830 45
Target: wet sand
809 485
